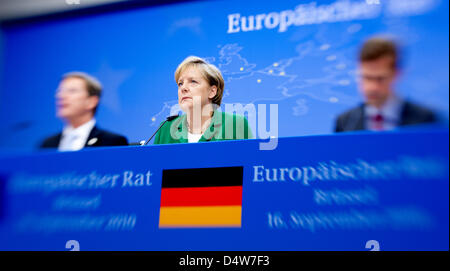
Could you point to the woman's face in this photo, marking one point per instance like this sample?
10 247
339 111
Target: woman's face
194 90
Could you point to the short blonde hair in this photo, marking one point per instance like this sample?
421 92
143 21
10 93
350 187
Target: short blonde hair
210 72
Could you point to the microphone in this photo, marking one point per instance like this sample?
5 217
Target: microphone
169 118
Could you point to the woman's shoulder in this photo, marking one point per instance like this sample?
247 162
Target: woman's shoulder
172 120
167 128
168 124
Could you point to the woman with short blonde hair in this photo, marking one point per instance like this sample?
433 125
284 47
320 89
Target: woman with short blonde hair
200 91
210 72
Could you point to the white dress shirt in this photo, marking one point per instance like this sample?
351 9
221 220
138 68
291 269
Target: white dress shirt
73 139
390 111
194 138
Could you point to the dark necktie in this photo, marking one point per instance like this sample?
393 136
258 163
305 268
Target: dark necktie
378 122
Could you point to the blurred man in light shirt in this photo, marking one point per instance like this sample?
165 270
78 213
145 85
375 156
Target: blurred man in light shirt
77 99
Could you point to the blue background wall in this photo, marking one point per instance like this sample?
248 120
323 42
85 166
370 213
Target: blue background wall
308 70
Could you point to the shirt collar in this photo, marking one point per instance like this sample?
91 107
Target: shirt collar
389 110
82 130
211 131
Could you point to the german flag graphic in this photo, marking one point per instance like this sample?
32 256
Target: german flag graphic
201 198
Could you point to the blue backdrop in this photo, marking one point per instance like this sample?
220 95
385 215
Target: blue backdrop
304 62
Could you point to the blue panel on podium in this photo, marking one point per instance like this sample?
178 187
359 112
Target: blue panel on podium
355 191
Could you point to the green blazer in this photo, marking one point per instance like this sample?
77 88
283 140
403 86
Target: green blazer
223 126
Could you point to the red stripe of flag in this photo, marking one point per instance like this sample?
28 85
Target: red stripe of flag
202 196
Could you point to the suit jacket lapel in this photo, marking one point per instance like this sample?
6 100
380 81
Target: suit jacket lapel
214 128
209 135
58 139
359 118
405 113
180 130
93 138
55 141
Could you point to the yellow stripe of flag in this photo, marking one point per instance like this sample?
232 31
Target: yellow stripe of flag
200 216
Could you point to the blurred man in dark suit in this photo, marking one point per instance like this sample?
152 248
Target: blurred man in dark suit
382 109
77 99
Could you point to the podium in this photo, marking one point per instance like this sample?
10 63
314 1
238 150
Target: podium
353 191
